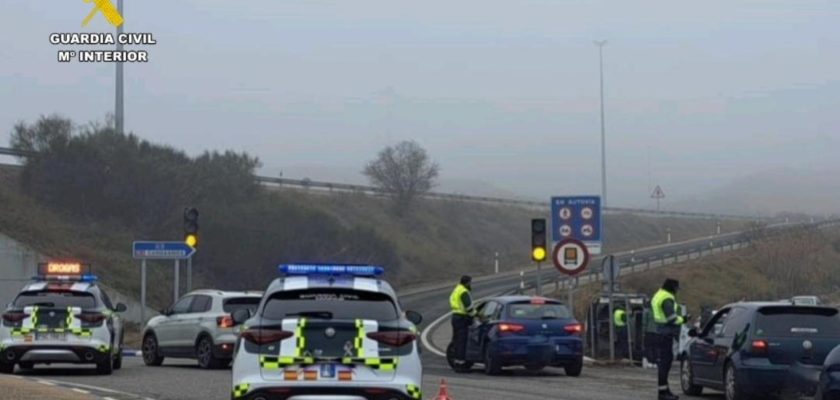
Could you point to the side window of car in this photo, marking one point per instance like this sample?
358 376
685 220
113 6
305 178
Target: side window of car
489 311
736 322
105 300
201 304
715 325
183 305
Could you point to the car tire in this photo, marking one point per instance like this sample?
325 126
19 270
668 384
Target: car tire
574 369
732 390
7 368
450 359
204 354
151 351
106 366
687 380
118 360
492 364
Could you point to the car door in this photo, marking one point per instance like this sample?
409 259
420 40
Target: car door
473 351
167 330
189 325
484 320
725 341
702 352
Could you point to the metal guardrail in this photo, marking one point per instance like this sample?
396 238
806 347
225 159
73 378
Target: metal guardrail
543 205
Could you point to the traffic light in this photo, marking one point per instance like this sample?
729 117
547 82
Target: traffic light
191 226
538 246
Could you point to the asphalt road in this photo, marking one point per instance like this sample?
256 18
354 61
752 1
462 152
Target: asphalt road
183 380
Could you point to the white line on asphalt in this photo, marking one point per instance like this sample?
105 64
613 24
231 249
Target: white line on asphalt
424 337
96 388
108 398
80 391
48 383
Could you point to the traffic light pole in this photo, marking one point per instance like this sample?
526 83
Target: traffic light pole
177 281
539 278
143 292
189 274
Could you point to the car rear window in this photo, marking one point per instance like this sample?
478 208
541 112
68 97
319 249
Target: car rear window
241 303
53 299
797 321
527 310
331 303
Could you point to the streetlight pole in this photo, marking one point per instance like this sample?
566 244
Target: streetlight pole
601 44
119 109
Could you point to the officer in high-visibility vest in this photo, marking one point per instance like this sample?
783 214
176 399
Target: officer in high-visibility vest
620 323
461 303
668 321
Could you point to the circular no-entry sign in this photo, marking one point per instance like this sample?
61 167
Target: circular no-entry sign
570 256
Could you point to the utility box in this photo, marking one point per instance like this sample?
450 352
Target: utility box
629 341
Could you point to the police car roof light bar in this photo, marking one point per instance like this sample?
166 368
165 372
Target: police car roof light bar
331 269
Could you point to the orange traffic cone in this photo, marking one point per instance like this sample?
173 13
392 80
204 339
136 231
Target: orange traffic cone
444 391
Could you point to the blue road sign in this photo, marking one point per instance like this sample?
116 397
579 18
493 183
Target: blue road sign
577 217
162 250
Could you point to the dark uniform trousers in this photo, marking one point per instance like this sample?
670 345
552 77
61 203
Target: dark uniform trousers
460 334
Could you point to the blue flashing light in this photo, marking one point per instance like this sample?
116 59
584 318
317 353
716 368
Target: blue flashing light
87 278
90 278
331 269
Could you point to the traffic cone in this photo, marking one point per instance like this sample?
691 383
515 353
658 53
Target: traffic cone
443 394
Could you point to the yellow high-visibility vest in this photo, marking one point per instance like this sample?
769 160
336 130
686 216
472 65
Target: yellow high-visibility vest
455 302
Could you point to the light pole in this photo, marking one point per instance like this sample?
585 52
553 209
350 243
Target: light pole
119 109
601 44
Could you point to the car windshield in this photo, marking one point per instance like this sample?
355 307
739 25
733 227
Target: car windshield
331 304
527 310
241 303
797 321
54 299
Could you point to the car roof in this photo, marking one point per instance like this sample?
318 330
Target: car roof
516 299
288 283
226 293
754 305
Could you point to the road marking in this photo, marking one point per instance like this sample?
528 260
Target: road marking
97 389
80 391
48 383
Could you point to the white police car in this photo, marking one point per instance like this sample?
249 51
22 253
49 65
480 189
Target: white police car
62 317
326 332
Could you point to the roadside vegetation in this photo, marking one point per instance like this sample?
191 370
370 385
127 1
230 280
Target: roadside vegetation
88 192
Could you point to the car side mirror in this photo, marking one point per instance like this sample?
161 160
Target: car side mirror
240 316
120 307
166 312
693 332
415 317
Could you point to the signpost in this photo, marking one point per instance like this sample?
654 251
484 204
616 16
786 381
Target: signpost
577 217
152 250
657 194
570 256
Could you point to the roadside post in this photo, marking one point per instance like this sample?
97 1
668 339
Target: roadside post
571 257
156 250
496 263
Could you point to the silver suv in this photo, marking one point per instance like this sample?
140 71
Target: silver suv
328 332
199 326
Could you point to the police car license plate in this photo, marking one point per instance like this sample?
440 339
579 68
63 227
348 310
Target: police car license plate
327 370
52 336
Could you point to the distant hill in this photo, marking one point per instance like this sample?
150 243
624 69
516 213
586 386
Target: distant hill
771 192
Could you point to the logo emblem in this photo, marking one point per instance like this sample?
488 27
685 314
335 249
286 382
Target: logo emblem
108 9
52 313
545 326
807 345
330 332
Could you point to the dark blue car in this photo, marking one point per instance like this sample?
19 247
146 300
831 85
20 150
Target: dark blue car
829 386
749 350
533 332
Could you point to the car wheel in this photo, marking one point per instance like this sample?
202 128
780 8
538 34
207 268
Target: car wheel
106 366
733 390
687 380
492 364
7 368
118 360
450 359
204 354
574 369
151 351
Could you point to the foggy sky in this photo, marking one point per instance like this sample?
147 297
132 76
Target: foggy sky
504 92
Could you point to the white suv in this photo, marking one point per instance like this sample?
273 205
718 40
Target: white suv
199 326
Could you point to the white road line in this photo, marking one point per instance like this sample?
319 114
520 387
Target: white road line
97 389
108 398
424 337
80 391
48 383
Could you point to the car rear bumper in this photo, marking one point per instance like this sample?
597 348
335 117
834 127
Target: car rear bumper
325 393
555 351
799 379
76 354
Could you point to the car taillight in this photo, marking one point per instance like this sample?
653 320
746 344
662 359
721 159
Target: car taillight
261 336
92 318
573 329
760 347
14 316
507 328
225 321
393 338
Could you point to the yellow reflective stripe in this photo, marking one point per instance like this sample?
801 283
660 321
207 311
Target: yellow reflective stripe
414 391
359 341
241 390
299 337
35 316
